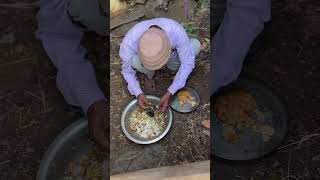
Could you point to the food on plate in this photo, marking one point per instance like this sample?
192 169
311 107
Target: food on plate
230 135
93 165
146 126
237 109
184 97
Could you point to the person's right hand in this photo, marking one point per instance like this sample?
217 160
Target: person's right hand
98 123
143 102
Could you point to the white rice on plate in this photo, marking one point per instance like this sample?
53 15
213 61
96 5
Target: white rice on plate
145 126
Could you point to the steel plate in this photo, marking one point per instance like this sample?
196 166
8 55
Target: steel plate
71 144
185 108
125 117
251 145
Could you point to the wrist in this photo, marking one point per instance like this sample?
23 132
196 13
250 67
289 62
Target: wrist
171 90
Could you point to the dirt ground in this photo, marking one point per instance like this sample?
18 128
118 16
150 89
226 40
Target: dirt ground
32 110
289 63
186 141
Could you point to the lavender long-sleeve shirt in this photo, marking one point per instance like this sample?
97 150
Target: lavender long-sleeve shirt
242 23
179 40
61 39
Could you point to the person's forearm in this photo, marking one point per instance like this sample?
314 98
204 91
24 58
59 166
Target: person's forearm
129 74
186 56
133 84
126 52
242 22
180 79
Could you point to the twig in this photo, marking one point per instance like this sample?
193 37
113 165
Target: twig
15 62
33 95
15 105
28 125
129 164
20 118
42 94
205 105
3 116
4 162
289 161
5 96
164 153
49 109
303 139
43 99
29 109
20 5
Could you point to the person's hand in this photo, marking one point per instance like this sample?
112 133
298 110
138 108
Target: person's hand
143 102
98 123
164 101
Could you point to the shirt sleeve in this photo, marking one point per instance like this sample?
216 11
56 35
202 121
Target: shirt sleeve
75 77
61 39
187 59
126 53
243 22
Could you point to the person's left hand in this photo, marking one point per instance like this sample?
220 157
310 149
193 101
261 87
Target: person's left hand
164 101
98 123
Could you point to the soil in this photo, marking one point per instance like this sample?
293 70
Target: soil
288 62
186 141
32 110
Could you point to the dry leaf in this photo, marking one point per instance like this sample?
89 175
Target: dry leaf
206 123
